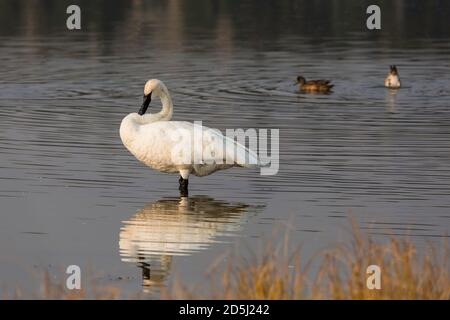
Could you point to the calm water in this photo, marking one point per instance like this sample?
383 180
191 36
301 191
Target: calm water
71 194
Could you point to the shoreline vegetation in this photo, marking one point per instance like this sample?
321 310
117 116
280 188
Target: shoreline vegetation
279 273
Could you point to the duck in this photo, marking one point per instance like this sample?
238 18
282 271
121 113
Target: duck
392 80
179 146
322 86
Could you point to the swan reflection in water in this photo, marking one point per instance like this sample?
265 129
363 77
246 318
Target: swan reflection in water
176 227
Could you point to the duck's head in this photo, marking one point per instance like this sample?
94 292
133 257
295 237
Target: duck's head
153 87
300 80
393 70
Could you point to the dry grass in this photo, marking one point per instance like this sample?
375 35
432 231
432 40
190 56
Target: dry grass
56 290
280 274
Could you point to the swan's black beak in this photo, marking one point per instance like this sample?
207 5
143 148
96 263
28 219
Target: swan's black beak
145 104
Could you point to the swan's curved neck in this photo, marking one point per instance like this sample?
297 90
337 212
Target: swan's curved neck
167 106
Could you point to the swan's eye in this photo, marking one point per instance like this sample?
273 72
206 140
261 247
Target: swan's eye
145 96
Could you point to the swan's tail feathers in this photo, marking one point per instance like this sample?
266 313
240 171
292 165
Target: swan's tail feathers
230 151
246 158
259 164
249 166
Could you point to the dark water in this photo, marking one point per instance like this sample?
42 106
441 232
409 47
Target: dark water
71 194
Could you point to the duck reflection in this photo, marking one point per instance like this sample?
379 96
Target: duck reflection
175 227
391 101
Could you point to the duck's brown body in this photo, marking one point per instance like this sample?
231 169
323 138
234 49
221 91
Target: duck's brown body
321 86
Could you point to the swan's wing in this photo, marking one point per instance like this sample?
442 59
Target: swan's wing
210 146
222 149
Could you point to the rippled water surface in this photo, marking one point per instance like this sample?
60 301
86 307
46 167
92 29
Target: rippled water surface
71 194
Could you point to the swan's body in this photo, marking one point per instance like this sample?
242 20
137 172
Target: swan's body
392 80
179 146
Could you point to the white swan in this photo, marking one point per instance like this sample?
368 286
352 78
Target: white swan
179 146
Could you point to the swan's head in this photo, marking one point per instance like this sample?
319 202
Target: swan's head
153 87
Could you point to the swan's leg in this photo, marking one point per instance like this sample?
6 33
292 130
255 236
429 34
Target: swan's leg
183 187
184 182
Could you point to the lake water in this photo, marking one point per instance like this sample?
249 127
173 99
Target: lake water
71 193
